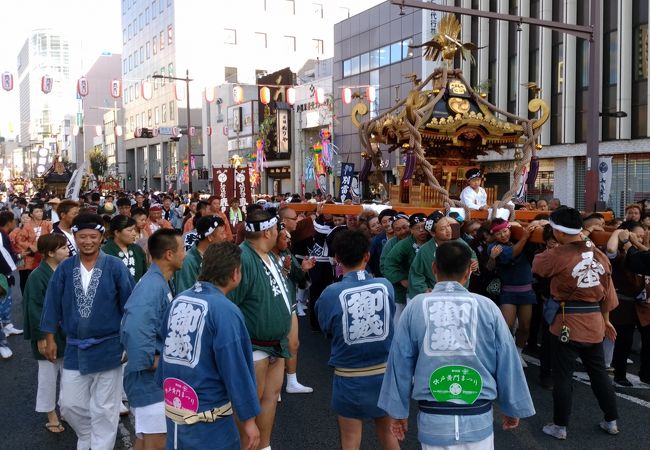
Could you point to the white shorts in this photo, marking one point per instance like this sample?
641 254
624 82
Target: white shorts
259 355
150 419
485 444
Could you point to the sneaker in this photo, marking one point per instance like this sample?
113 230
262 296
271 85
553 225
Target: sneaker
629 361
300 310
556 431
124 411
6 352
9 330
297 388
623 382
609 427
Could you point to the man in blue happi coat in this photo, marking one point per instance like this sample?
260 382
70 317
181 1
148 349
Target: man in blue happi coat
141 335
86 298
206 368
454 354
358 313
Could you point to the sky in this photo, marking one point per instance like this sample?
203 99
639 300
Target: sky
96 23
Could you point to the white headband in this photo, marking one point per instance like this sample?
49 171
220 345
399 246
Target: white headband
563 229
261 225
87 226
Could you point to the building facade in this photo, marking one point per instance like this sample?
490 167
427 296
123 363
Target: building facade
510 57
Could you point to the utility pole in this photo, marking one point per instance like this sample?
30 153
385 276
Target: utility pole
592 34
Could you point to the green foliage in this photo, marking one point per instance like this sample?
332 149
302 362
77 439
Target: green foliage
267 131
98 162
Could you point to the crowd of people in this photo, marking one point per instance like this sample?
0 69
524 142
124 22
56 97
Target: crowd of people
187 309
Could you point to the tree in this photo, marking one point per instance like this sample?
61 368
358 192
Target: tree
98 162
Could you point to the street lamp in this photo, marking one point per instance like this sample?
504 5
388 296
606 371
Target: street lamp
187 80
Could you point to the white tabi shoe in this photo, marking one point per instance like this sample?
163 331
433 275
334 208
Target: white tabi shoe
6 353
556 431
10 329
297 388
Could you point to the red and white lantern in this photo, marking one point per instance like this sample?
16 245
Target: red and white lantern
146 90
291 95
192 131
320 95
238 94
118 130
347 95
82 86
209 131
116 88
265 95
209 94
179 92
7 81
46 84
371 94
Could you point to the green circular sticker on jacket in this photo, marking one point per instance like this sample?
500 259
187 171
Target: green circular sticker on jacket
456 383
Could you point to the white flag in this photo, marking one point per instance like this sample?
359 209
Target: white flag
74 186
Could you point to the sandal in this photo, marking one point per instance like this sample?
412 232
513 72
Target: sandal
55 428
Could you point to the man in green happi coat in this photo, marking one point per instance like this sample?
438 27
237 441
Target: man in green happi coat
264 299
399 259
210 230
421 278
401 230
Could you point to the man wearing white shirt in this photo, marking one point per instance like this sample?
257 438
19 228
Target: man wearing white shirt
474 196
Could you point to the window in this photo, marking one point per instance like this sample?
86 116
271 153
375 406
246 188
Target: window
347 68
140 22
137 90
384 56
354 65
131 123
364 62
162 40
164 112
141 54
131 92
641 52
155 45
395 52
290 43
318 46
610 66
149 118
170 35
171 111
156 115
170 69
260 73
230 36
230 75
290 7
148 49
407 52
124 66
135 59
155 81
130 31
153 9
374 59
125 36
135 26
318 10
162 72
260 40
147 15
161 5
130 62
374 106
344 12
138 121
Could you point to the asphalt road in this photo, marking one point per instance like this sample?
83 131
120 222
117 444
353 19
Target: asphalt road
305 421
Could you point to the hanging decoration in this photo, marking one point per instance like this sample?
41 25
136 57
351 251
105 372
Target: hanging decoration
46 84
116 88
260 156
347 96
238 94
291 95
146 90
328 150
7 81
179 92
309 168
317 151
265 95
320 95
209 94
82 86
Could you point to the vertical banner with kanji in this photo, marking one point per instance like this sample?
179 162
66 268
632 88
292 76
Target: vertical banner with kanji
223 180
283 131
347 171
242 186
605 172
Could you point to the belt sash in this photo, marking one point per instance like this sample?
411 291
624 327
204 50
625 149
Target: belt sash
580 307
377 369
185 417
454 409
84 344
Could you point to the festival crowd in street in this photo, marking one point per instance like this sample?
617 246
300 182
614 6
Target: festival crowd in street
184 312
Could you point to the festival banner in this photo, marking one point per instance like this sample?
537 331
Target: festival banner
347 172
605 173
243 186
223 179
74 185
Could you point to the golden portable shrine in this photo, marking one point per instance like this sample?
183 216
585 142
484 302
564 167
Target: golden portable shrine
441 128
55 179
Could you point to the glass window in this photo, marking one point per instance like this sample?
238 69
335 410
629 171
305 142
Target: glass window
161 5
155 45
407 52
610 63
318 46
130 31
125 36
171 111
170 69
641 52
147 15
149 118
164 112
130 62
364 62
395 52
124 66
374 106
140 22
374 59
354 65
230 36
162 40
153 9
137 90
290 43
290 7
384 56
141 53
162 72
230 74
170 35
318 10
347 70
148 49
260 40
155 81
156 115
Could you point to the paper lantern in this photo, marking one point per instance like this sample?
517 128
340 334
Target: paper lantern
179 92
146 90
75 130
46 84
320 96
118 130
347 95
291 96
98 130
265 95
192 131
209 94
7 81
116 88
238 94
371 94
209 131
82 86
